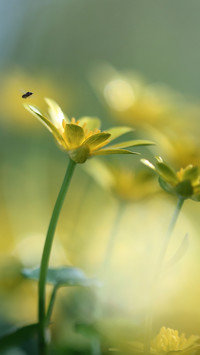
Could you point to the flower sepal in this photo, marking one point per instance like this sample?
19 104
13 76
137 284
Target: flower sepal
184 189
79 155
165 186
166 172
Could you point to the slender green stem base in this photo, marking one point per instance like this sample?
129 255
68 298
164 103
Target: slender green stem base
51 303
46 256
158 269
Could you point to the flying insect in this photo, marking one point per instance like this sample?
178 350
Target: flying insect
27 94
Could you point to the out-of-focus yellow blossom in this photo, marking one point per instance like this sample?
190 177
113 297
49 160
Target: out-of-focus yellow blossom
184 183
167 117
83 138
13 85
133 100
177 143
169 340
121 181
182 150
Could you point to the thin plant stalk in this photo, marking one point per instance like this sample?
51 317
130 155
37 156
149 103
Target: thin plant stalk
46 256
95 346
158 269
51 303
112 240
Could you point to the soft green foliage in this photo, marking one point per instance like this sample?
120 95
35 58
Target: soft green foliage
62 276
17 335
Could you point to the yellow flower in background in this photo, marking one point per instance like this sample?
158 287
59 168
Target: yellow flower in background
132 100
122 181
184 183
83 138
169 341
178 142
166 116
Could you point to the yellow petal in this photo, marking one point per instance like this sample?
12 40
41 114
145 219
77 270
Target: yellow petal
46 122
132 143
191 173
118 131
74 135
91 123
56 114
96 140
147 163
167 173
113 151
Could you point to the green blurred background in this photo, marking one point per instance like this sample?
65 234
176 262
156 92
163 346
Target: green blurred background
69 50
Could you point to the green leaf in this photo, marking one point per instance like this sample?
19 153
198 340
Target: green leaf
118 131
132 143
113 151
17 335
62 276
184 189
74 135
97 139
92 123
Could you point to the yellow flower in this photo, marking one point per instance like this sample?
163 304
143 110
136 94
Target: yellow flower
184 183
167 116
123 182
130 98
179 143
169 340
83 138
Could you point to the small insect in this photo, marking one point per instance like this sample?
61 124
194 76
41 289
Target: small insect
27 94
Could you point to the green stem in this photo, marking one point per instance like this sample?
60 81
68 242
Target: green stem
95 346
51 303
46 256
112 240
149 317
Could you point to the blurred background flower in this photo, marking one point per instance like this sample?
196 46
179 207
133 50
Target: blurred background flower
121 180
170 118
